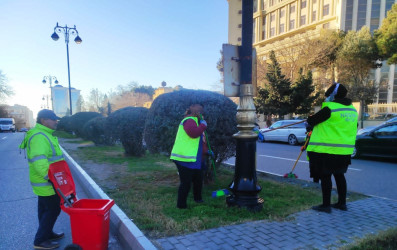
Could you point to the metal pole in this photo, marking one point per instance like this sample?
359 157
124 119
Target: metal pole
52 100
70 89
244 185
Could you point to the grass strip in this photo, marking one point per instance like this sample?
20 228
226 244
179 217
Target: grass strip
146 190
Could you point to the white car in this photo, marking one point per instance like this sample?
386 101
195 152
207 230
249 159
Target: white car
294 134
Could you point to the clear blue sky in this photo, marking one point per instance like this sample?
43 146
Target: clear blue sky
146 41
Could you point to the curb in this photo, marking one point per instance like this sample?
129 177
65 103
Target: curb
128 233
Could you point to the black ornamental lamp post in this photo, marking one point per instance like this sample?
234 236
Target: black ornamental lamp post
244 186
67 31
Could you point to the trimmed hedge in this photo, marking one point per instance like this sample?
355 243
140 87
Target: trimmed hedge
64 124
78 120
127 125
94 130
168 110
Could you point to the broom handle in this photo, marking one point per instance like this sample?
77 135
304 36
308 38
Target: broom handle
304 146
283 126
209 148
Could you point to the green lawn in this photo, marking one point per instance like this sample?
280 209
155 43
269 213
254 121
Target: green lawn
146 190
384 240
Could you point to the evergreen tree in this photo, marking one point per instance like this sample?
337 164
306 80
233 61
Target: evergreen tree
386 36
278 88
302 97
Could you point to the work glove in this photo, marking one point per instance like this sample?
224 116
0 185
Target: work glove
211 154
203 122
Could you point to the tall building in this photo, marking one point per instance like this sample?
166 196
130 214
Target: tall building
280 24
60 97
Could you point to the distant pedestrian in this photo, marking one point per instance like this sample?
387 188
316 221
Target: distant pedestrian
331 144
42 150
187 154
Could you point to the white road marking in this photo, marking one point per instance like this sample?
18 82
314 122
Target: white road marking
275 157
287 159
4 137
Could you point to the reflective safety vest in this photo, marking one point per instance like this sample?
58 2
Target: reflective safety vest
185 147
337 135
42 150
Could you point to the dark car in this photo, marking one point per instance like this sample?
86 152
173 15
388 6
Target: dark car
380 141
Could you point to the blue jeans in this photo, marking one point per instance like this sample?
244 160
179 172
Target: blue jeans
48 211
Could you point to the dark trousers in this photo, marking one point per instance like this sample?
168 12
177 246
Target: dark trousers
186 177
326 188
48 211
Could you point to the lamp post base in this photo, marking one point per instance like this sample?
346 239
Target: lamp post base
244 186
251 203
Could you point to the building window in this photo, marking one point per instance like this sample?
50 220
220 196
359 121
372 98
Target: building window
361 13
375 15
349 14
263 34
272 32
255 6
263 4
292 9
292 24
303 20
281 30
271 3
303 4
314 16
264 20
314 1
282 13
326 10
272 17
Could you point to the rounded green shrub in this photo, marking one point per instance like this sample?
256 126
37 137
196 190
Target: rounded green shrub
64 124
78 120
168 110
94 130
127 125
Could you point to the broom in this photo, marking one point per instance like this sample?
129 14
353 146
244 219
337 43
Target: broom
290 174
221 192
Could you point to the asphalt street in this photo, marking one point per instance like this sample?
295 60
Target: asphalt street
18 203
370 176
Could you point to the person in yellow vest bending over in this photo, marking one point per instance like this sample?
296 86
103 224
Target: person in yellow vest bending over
187 154
331 144
42 150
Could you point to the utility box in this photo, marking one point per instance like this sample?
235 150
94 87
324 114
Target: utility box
231 70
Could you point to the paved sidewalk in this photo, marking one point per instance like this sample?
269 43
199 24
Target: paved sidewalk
304 230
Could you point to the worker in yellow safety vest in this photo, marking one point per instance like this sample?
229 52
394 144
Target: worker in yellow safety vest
42 150
187 154
331 145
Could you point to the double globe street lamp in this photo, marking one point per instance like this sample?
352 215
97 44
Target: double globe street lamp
50 78
67 31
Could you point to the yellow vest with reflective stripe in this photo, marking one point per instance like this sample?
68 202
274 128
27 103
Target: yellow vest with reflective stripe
337 135
185 147
42 150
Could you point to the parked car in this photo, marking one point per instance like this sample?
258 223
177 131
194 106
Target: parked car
294 134
369 128
380 141
23 130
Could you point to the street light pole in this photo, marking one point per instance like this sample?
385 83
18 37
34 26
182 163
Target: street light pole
244 185
66 31
50 78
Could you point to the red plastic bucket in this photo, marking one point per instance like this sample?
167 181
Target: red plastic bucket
89 220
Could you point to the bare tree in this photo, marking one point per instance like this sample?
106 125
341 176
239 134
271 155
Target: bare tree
5 90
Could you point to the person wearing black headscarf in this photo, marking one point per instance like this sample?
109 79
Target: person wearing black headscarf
331 145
